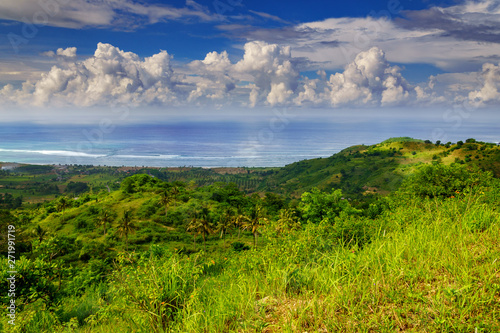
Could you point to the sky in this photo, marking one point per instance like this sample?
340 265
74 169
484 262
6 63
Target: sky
79 57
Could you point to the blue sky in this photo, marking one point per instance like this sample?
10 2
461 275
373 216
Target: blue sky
245 55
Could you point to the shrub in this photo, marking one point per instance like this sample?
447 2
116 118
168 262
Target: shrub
169 285
141 183
147 209
442 181
238 247
316 205
353 230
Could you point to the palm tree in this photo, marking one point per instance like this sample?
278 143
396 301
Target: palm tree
201 224
174 190
103 219
255 221
40 233
62 205
239 221
287 221
165 199
225 221
126 226
193 226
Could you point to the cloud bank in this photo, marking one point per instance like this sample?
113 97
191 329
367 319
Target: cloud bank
110 76
266 75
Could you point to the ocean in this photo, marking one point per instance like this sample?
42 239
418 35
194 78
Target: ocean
261 142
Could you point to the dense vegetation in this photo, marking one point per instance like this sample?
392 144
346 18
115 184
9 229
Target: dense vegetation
157 254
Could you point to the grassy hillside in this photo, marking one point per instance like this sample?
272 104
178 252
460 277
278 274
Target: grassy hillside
140 250
424 258
378 168
36 184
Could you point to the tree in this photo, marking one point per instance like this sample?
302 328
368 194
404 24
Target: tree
225 221
103 219
40 233
255 221
165 199
201 224
174 190
287 221
443 181
62 205
125 226
193 227
273 203
316 205
239 221
76 188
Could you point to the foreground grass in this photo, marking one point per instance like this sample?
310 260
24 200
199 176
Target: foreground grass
431 266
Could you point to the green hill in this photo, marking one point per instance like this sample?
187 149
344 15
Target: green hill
378 168
311 246
356 170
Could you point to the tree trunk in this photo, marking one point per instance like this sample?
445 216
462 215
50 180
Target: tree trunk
194 242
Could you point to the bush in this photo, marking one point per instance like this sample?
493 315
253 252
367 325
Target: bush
147 209
81 224
141 183
238 247
316 205
442 181
353 230
167 291
76 188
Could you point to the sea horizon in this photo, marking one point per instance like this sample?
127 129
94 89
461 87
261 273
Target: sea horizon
262 142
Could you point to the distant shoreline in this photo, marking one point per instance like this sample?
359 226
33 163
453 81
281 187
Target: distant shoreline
124 168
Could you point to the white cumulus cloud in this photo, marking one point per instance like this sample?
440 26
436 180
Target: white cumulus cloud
489 92
271 69
368 79
110 76
212 78
267 74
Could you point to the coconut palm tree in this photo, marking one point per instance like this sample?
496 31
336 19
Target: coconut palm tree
165 199
174 190
103 219
287 221
193 227
225 222
62 205
254 221
239 221
40 233
125 226
201 224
